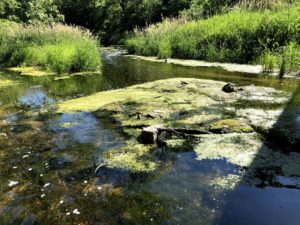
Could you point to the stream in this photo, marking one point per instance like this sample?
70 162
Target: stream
48 161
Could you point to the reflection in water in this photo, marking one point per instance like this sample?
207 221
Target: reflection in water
53 160
198 200
270 205
248 205
84 128
35 98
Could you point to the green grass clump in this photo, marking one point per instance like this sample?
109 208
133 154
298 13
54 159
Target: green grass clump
239 36
286 58
58 48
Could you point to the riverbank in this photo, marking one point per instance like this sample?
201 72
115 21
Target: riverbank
266 37
231 67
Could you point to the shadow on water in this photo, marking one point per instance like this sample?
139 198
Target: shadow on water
275 200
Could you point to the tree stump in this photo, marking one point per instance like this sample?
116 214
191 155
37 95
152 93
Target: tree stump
150 134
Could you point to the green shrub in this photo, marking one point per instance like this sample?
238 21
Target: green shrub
58 48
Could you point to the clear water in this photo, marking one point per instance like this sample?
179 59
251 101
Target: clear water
53 163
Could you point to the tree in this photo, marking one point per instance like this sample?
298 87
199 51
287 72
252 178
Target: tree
30 11
111 19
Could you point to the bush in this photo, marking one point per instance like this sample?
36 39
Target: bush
239 36
58 48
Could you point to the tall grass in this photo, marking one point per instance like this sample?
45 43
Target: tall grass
59 48
239 36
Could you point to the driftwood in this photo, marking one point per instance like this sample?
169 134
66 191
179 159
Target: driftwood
152 134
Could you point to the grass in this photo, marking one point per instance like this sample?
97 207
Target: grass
58 48
239 36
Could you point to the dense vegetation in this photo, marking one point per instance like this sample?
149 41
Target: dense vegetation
30 11
241 31
270 37
111 20
58 48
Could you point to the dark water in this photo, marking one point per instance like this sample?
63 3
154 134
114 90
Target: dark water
47 162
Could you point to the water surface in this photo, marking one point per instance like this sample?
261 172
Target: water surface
47 163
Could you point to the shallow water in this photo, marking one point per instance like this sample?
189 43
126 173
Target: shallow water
48 162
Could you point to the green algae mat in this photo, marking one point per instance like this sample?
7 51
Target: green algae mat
234 125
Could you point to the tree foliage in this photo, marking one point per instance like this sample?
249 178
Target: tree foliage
112 18
30 11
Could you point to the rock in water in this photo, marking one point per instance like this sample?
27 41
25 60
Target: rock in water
229 88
